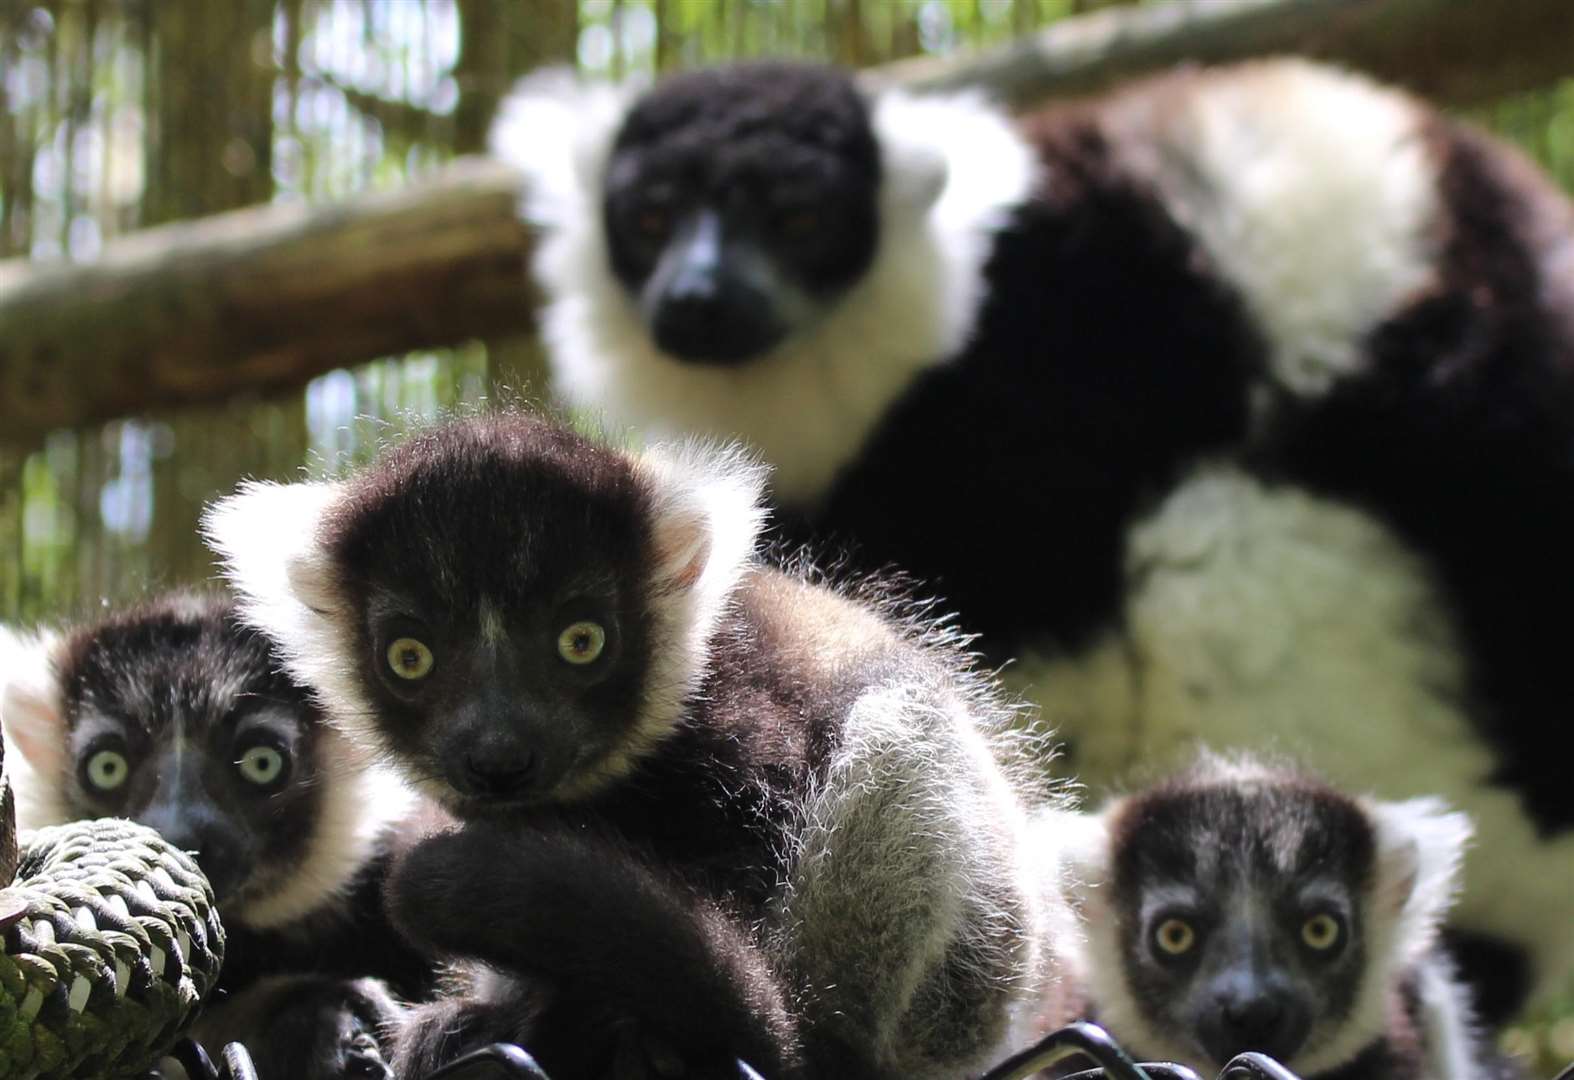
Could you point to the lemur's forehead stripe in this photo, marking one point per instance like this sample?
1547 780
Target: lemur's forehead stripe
491 508
182 660
1224 835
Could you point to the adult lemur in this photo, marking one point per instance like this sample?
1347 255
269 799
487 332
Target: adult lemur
1242 400
174 714
709 802
1243 905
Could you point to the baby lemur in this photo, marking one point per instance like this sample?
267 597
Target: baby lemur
709 802
174 714
1244 905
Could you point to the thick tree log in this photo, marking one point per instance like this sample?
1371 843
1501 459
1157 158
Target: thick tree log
1452 51
261 299
264 299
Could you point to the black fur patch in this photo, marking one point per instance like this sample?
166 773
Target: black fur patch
1461 435
618 938
1104 360
755 141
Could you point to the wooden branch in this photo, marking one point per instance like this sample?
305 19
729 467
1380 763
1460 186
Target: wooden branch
1457 52
264 299
261 299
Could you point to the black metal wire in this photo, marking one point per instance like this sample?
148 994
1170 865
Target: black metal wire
1255 1066
1088 1040
235 1061
1080 1039
509 1059
194 1059
1156 1070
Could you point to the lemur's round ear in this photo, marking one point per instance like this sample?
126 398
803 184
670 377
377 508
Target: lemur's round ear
558 129
913 161
1077 843
31 710
706 514
266 535
1420 853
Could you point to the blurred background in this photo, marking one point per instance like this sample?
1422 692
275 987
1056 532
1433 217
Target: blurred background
123 114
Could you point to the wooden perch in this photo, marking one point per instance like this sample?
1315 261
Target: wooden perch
266 298
261 299
1452 51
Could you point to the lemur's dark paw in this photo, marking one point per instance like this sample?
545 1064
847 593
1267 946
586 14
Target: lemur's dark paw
360 1058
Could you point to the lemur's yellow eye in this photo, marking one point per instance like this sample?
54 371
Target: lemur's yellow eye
108 769
581 642
262 765
1175 936
410 659
1320 932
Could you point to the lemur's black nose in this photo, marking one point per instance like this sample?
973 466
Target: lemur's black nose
1268 1022
1254 1019
494 776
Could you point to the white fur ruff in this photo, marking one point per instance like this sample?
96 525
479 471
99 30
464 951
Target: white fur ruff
1314 194
33 727
1269 620
267 538
953 168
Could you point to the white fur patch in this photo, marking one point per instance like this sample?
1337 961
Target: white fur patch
707 515
1270 620
953 167
267 538
559 129
914 863
1451 1036
34 725
1083 842
360 803
1420 849
1313 192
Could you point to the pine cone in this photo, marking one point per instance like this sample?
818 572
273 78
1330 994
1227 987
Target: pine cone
111 943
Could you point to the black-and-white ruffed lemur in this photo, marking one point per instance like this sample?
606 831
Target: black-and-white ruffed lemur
174 714
1237 404
710 806
1245 905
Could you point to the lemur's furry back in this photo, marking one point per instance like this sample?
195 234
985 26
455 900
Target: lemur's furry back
754 815
1259 378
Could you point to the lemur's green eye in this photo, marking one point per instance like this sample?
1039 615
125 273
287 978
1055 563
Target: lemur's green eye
261 765
410 659
1175 936
581 642
108 769
1320 932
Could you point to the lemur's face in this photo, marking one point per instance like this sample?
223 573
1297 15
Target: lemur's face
1241 916
739 204
180 720
500 627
